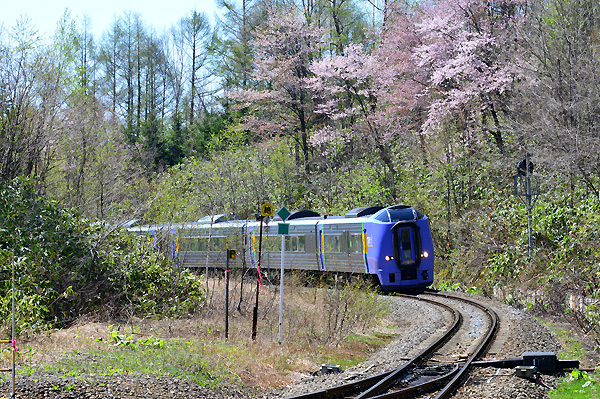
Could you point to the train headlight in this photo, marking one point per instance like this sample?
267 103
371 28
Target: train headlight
389 257
425 254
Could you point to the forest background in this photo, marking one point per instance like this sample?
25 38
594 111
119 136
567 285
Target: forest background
325 105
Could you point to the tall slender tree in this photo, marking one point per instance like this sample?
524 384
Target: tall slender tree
231 50
196 32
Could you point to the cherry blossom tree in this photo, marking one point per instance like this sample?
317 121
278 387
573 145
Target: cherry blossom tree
347 88
372 97
468 48
282 104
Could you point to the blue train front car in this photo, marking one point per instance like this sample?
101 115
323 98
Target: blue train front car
399 248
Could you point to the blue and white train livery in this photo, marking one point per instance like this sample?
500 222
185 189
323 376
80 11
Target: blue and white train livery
393 244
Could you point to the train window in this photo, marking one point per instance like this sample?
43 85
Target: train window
183 245
294 244
204 244
406 244
189 244
398 214
271 244
332 243
383 216
355 243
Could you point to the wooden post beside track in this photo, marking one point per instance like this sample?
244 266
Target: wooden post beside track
255 310
266 210
227 255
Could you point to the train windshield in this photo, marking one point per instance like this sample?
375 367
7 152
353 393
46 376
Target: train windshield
397 213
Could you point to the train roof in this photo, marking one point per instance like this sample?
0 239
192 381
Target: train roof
396 213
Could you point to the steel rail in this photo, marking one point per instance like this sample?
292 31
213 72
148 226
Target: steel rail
388 381
423 387
479 351
376 386
380 382
458 373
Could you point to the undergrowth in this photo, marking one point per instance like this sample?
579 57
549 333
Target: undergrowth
196 348
65 266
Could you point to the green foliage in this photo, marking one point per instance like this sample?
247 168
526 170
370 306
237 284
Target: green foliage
131 342
65 266
358 184
579 384
234 181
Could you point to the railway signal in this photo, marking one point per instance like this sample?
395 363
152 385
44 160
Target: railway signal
283 213
283 228
527 185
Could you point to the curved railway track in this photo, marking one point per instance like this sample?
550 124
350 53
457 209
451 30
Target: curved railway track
421 373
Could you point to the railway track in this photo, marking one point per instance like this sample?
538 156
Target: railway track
441 374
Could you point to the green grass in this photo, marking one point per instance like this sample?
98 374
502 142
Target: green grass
374 339
356 348
571 347
176 357
195 349
344 360
579 384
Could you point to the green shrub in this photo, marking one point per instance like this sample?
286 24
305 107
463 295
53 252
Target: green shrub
66 266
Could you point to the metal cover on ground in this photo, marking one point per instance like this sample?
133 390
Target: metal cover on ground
524 371
543 361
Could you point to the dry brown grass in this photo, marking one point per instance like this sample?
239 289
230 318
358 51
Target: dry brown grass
262 362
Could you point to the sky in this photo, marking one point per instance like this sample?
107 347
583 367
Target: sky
44 14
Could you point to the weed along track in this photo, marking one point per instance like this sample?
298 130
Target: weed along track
439 368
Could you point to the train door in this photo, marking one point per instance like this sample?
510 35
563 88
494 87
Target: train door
320 246
407 249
